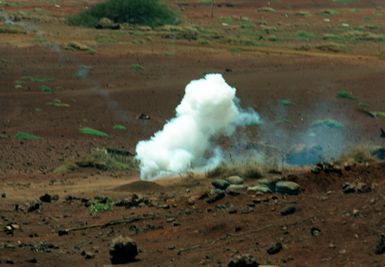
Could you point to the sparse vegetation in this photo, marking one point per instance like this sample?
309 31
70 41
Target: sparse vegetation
26 136
149 12
136 67
93 132
345 94
101 204
285 102
119 127
305 35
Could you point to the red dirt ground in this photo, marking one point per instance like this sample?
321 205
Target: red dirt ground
112 93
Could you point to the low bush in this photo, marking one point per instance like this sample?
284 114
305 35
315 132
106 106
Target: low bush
140 12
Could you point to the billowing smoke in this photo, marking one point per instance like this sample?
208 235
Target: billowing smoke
209 109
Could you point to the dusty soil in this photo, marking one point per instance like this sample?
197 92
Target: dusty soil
99 89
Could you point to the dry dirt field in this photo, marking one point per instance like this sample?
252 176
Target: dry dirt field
294 61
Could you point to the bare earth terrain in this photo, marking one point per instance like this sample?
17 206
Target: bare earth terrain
288 60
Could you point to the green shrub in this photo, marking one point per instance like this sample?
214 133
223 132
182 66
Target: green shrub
93 132
345 94
101 204
141 12
26 136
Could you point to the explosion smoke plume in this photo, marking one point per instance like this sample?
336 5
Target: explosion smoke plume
208 110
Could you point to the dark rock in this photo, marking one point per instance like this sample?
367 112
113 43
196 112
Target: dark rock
314 231
49 198
220 184
243 261
382 133
123 250
379 153
34 206
348 188
9 261
32 260
275 248
287 187
3 195
363 188
143 116
380 245
215 196
288 210
87 254
63 232
356 188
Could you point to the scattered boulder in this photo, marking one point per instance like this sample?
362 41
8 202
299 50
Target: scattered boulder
143 117
380 245
215 196
243 261
269 182
287 188
356 188
87 254
260 188
235 180
49 198
275 248
123 250
34 206
314 231
288 210
235 189
220 184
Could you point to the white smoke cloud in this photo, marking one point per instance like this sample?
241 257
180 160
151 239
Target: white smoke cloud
208 109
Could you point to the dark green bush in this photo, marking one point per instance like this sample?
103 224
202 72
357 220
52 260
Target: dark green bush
140 12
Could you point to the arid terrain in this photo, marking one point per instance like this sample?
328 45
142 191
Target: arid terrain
297 63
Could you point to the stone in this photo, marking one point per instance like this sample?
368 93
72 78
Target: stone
123 250
87 254
348 188
359 187
275 248
215 196
314 231
235 180
49 198
220 184
269 182
34 206
243 261
380 245
259 188
288 210
235 189
287 188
